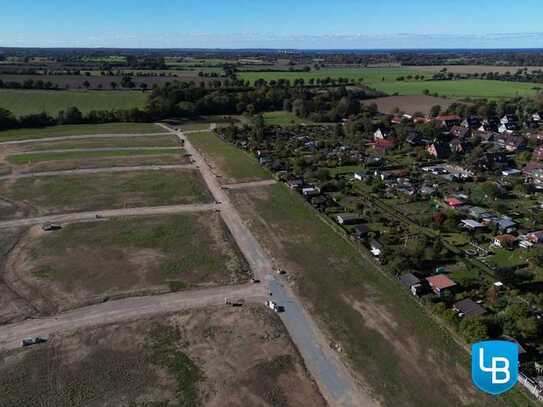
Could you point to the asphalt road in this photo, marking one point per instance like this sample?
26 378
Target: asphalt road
336 384
99 170
110 213
125 309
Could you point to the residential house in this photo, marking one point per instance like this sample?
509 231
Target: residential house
510 142
440 284
535 237
448 121
468 308
471 122
537 116
361 231
384 145
460 132
413 283
454 202
471 224
504 241
438 150
506 225
509 118
508 128
348 219
490 124
382 133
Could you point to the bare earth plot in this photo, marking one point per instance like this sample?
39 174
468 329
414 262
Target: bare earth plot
26 197
410 104
214 357
12 306
231 164
87 262
388 341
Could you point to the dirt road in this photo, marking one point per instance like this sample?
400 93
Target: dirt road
111 213
125 309
336 384
100 170
66 138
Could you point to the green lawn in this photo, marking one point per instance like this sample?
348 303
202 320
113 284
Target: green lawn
232 164
401 354
21 102
384 79
282 118
74 193
105 142
80 129
20 159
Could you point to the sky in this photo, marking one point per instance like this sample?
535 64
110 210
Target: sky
302 24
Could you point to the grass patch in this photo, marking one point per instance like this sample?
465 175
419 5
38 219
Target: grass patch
365 311
233 164
164 342
20 159
282 118
80 129
113 142
57 194
21 102
83 261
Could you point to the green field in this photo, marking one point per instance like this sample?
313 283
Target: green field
233 165
104 142
20 159
80 129
59 194
95 259
21 102
384 79
282 118
400 353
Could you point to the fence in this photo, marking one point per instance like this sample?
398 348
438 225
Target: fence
531 385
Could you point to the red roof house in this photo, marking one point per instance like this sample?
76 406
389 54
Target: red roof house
440 283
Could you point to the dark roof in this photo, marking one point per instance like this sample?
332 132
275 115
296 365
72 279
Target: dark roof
469 308
409 280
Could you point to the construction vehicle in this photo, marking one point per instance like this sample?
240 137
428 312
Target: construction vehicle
234 303
49 227
29 341
274 306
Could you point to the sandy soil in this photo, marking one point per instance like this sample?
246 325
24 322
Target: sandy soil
410 104
239 357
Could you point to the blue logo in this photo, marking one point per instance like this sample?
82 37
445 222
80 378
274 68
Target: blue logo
494 366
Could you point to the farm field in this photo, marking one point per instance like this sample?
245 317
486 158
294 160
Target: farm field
231 164
86 262
21 102
384 79
79 130
465 69
385 336
72 193
212 356
409 104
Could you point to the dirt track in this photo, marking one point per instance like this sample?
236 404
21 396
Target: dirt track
66 138
110 213
99 170
125 309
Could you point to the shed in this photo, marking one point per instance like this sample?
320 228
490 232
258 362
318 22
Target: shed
440 283
469 308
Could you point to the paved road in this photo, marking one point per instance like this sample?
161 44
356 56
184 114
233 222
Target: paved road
90 150
80 137
110 213
125 309
253 184
336 384
99 170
